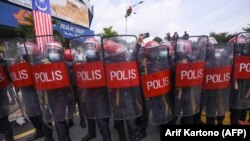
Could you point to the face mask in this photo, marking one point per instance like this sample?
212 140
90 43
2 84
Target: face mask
79 49
163 54
2 57
217 55
90 54
245 49
24 58
153 55
191 56
22 51
80 57
54 56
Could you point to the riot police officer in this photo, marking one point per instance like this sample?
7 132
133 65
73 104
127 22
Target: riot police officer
74 90
52 82
59 99
91 81
30 98
240 95
216 91
123 83
189 60
23 83
5 126
154 67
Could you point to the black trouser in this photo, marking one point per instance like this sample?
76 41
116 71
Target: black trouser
197 118
6 129
142 121
61 129
48 131
212 120
131 124
77 99
237 114
172 121
103 125
187 120
37 123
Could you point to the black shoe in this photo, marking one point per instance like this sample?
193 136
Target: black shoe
83 123
141 135
88 137
70 123
49 139
37 135
9 139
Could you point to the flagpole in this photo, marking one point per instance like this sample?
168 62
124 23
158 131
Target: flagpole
126 24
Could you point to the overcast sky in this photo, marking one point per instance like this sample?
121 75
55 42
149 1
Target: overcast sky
197 17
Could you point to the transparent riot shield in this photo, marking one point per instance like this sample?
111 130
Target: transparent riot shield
88 66
51 79
17 55
122 77
190 62
240 96
217 79
156 82
8 103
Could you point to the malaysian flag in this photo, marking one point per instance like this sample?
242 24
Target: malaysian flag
42 21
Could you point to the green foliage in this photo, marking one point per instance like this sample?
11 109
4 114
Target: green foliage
26 30
107 31
157 39
222 37
247 29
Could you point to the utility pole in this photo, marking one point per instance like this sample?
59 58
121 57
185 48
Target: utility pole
129 11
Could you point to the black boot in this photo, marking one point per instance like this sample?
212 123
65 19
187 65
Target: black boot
187 120
9 138
48 132
197 119
70 123
62 130
37 123
140 135
91 130
83 123
210 120
120 128
37 135
220 120
235 116
48 138
88 137
6 129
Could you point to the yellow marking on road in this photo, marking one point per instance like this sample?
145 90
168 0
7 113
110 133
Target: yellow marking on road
26 133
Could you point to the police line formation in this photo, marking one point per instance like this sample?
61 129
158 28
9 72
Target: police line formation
123 79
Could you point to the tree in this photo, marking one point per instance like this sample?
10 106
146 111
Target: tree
247 29
107 31
222 37
27 29
157 39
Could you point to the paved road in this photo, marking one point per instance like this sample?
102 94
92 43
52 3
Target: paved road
76 132
22 132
